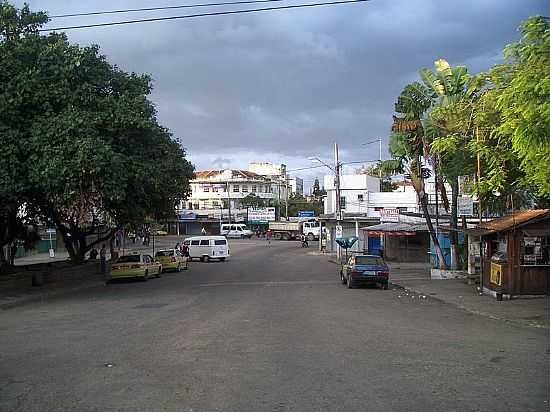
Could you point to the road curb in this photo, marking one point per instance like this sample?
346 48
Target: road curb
472 311
43 296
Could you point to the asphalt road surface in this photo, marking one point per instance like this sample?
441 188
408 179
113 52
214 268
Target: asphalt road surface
269 330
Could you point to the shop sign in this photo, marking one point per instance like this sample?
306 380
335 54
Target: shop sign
261 215
496 274
186 215
465 206
339 232
306 213
389 215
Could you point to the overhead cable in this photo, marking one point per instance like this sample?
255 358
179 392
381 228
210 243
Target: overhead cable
183 6
190 16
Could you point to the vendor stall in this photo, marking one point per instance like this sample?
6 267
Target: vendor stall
515 253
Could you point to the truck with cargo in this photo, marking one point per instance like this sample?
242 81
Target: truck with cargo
293 230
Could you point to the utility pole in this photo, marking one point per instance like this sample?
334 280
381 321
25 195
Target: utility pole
337 193
380 158
228 201
286 198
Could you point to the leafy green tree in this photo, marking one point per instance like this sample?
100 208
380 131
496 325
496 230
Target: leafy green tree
251 200
96 157
524 102
374 170
448 129
410 149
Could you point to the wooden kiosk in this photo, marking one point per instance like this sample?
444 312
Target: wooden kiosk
515 254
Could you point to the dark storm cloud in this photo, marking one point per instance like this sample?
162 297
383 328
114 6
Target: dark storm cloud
290 83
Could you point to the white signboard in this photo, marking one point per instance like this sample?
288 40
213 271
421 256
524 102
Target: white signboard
261 215
389 215
339 232
465 206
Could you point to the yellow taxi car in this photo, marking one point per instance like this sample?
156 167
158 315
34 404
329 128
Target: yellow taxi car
172 259
135 266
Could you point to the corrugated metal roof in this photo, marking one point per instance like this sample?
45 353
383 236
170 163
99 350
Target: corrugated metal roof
517 219
397 229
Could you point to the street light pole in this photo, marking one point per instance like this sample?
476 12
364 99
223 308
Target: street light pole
337 192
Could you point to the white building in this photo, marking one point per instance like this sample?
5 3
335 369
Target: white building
276 173
361 194
296 185
213 189
354 193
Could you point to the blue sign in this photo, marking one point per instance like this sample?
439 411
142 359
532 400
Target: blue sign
186 215
306 213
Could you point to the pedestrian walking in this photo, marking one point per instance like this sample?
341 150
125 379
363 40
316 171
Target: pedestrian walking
103 259
203 231
268 237
177 247
93 254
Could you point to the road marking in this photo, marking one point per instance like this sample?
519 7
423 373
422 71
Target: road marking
281 283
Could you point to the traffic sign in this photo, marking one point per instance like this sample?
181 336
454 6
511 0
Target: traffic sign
306 213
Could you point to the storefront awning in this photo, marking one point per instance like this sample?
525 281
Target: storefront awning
396 229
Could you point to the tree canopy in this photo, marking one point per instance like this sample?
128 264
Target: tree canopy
80 136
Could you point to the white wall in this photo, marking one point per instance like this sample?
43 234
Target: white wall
354 188
406 201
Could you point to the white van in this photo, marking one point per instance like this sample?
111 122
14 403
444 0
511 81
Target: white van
311 230
207 248
238 230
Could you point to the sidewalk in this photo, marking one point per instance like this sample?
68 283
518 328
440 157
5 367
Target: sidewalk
534 312
17 289
414 279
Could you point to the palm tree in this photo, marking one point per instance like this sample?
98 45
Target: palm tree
410 148
453 92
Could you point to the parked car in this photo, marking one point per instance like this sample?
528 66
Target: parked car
207 248
172 259
365 269
160 232
237 230
135 266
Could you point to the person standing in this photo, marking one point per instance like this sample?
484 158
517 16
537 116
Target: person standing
268 236
103 259
203 231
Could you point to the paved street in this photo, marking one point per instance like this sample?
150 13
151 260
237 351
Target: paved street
271 329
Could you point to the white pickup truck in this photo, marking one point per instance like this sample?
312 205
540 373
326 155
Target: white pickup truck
294 230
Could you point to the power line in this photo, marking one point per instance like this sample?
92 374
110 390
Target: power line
184 6
219 13
306 168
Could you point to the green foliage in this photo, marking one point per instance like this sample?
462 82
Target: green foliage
81 137
252 200
525 102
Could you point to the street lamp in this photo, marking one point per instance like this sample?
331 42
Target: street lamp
379 140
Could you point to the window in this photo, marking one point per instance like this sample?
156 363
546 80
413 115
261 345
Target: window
402 209
186 243
233 227
206 189
342 202
164 253
360 198
205 242
253 188
195 242
245 188
215 189
195 206
235 188
220 242
378 209
215 203
369 260
128 259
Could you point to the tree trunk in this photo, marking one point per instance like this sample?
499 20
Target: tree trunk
453 235
435 240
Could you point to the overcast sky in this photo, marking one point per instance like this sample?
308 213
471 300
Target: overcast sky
283 86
